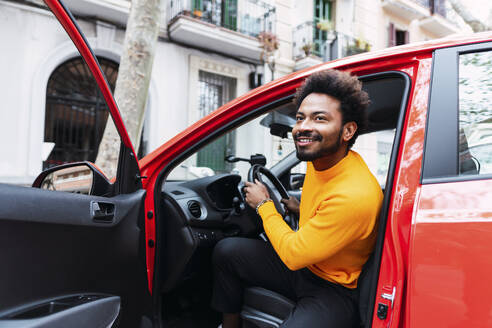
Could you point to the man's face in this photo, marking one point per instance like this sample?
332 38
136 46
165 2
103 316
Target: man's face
318 129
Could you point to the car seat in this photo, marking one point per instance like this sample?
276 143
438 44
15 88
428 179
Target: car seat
264 308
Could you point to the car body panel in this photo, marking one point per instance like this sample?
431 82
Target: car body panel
450 265
394 262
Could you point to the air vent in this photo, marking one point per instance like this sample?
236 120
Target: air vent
195 208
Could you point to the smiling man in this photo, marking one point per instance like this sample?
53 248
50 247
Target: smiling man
318 265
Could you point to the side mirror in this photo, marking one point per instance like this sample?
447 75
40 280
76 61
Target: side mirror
79 177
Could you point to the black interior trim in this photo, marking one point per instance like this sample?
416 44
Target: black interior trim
80 310
128 177
67 208
441 137
52 247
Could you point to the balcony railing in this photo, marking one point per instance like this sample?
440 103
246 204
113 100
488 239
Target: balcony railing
306 41
309 40
435 6
248 17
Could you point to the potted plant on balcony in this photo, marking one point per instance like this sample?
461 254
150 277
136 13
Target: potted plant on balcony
269 45
358 46
325 25
307 48
197 13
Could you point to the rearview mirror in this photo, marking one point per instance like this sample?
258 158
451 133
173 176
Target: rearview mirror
280 124
80 178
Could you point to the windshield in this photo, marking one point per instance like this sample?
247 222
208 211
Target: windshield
260 136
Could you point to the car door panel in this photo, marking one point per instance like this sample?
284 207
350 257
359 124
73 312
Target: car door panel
54 248
73 311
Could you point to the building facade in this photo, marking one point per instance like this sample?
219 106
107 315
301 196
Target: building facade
208 53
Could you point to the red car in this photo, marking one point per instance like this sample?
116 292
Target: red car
136 252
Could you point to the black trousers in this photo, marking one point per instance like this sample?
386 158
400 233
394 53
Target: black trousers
243 262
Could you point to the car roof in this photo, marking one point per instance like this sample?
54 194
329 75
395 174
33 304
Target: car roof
418 47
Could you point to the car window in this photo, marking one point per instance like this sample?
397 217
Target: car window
375 149
59 117
475 113
249 139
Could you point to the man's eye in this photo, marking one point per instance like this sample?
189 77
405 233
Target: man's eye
320 118
298 118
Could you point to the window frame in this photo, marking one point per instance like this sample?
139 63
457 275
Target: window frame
96 106
440 161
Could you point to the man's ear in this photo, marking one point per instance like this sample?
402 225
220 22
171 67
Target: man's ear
349 130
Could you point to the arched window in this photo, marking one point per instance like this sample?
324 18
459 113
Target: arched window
76 112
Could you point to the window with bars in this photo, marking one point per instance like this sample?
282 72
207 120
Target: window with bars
76 112
214 91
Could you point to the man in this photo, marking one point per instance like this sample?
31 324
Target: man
318 265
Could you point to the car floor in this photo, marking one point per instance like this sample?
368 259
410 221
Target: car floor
188 305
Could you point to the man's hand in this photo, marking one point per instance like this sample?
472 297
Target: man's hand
255 193
292 204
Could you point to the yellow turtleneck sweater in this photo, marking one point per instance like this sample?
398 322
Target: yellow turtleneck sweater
337 225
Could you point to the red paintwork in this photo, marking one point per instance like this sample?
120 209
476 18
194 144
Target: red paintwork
394 263
450 267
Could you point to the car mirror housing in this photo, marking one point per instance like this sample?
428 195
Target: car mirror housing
78 177
280 124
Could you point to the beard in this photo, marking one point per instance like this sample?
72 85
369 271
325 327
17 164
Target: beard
326 150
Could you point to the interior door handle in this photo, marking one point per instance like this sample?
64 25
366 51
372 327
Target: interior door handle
102 211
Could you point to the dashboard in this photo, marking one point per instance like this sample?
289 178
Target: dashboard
197 214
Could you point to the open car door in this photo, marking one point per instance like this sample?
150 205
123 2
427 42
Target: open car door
76 259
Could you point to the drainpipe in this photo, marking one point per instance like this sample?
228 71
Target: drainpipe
331 39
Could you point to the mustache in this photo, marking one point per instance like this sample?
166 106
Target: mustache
311 135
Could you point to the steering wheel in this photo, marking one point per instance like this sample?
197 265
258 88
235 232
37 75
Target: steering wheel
257 171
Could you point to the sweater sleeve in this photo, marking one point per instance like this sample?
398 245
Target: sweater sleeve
336 223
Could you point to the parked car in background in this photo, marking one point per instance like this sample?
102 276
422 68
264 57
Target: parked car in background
79 250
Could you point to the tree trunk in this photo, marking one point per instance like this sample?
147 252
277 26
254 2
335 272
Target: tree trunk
475 24
133 80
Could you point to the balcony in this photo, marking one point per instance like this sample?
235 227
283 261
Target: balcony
435 6
114 11
312 46
407 9
436 23
227 26
430 13
438 26
415 9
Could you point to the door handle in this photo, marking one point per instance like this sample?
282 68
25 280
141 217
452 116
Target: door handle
102 211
